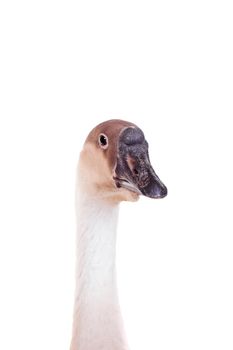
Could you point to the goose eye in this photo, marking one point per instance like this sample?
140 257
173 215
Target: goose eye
103 141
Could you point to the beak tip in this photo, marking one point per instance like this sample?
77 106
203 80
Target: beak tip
156 192
163 192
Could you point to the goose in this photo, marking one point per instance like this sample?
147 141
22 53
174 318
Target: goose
113 166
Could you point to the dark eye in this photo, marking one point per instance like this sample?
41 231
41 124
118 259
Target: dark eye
103 141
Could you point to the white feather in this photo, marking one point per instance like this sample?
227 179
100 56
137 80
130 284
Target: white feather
97 319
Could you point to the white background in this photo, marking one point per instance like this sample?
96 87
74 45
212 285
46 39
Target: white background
167 66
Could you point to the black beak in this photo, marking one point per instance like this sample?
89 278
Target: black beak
133 169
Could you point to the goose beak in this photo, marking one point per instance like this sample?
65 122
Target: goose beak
133 169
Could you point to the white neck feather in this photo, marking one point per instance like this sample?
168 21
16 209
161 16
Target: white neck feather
97 319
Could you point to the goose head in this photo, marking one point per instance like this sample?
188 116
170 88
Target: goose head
114 164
